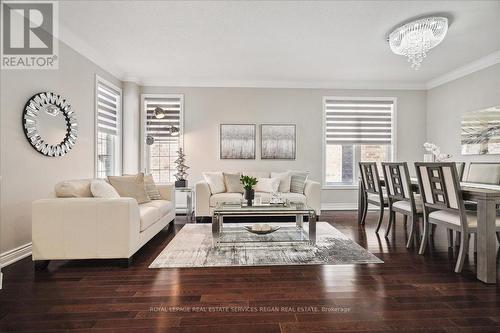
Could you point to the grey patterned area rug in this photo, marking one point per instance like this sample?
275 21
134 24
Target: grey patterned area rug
192 247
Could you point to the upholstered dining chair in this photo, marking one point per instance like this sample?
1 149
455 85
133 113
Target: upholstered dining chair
483 173
402 199
443 205
460 170
372 190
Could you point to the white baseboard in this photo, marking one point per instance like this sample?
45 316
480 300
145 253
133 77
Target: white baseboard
11 256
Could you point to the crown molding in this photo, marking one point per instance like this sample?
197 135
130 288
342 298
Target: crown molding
80 46
474 66
369 85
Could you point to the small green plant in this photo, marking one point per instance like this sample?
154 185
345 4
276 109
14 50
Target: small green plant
248 182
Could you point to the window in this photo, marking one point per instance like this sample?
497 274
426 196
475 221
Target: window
355 130
162 134
108 132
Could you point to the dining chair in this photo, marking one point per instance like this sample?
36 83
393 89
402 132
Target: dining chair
460 170
372 190
443 205
402 199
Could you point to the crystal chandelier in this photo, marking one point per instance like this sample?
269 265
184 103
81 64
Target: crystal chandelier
415 39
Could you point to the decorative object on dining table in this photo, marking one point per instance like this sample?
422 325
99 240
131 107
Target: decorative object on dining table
248 184
436 152
481 131
49 124
180 175
262 229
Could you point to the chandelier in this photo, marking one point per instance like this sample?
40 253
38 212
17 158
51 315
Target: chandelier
415 39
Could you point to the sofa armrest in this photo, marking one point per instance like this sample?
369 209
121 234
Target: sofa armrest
85 228
202 195
312 191
167 192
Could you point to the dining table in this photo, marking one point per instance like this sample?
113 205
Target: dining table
487 197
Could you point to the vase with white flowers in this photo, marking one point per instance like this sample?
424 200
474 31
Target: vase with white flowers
435 152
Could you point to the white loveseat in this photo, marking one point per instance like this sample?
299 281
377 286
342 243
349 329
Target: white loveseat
206 201
97 228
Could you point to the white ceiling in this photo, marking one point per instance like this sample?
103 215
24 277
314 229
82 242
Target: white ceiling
272 43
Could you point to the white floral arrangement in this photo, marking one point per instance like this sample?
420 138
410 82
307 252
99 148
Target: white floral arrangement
436 151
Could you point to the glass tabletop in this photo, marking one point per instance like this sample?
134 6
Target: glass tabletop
291 207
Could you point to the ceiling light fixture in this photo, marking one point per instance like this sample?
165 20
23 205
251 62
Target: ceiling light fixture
415 39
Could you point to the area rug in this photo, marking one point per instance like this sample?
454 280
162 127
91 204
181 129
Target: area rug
192 247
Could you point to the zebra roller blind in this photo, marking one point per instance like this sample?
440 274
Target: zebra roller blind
367 122
160 129
108 108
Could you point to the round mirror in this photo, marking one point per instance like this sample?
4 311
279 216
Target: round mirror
49 124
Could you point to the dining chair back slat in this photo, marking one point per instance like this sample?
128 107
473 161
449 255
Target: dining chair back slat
397 180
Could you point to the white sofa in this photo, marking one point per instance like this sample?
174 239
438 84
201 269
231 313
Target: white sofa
97 228
206 201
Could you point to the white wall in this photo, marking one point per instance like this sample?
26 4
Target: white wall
26 174
206 108
447 103
131 121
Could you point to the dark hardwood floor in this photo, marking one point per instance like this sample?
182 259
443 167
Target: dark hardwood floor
408 293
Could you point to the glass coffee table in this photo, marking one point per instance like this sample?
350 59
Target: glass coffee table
235 233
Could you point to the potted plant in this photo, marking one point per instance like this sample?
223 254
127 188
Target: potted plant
248 184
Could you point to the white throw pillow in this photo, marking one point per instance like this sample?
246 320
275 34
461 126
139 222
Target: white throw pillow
102 189
215 182
268 185
285 180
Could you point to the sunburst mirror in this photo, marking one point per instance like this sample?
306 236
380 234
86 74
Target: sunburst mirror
49 124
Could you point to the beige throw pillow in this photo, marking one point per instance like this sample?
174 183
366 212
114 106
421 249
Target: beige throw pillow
285 180
268 185
215 182
130 186
73 189
232 182
102 189
151 189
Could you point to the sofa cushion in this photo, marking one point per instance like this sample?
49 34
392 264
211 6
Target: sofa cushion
267 185
164 206
298 181
233 183
79 188
257 174
150 188
149 214
225 197
285 180
102 189
130 186
215 181
294 197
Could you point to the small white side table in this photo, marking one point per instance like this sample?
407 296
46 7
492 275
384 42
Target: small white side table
189 201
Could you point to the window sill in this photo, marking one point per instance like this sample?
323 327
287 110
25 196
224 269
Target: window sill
339 187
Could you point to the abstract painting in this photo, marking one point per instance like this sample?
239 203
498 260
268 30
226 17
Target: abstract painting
481 131
237 141
277 142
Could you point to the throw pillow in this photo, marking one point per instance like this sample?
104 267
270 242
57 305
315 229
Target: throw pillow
130 186
73 189
215 182
285 180
298 181
150 188
232 182
102 189
268 185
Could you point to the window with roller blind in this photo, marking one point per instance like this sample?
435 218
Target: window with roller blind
355 130
108 106
161 138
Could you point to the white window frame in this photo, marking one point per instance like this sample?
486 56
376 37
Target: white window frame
144 156
119 167
356 152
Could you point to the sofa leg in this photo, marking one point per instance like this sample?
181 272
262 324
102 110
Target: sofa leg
41 265
126 263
